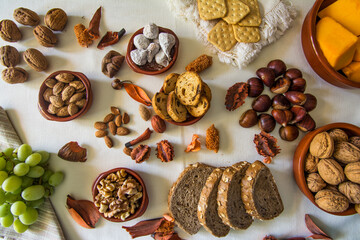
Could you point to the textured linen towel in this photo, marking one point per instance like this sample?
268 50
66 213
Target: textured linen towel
277 16
47 226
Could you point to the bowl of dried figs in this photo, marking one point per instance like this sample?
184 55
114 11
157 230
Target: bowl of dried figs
326 168
64 96
152 50
120 195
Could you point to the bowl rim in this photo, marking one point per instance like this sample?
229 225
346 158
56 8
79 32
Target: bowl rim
145 199
131 47
312 18
42 104
299 161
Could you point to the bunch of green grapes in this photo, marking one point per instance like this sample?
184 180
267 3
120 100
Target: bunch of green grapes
25 181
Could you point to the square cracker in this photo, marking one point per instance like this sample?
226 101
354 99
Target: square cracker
211 9
237 10
253 19
222 36
246 34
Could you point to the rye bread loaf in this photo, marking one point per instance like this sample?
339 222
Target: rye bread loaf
207 208
259 192
231 208
184 196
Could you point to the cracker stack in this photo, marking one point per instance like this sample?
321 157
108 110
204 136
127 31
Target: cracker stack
239 21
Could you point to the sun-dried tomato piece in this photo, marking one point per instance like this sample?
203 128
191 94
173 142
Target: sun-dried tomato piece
266 146
236 95
165 151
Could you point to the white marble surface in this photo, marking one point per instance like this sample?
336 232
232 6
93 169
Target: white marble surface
334 105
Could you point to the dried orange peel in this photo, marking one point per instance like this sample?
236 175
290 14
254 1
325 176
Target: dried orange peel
195 144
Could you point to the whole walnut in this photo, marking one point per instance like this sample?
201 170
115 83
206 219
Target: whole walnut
331 201
56 19
351 191
346 152
355 140
338 135
352 172
26 16
14 75
311 163
322 145
331 171
35 59
314 182
9 56
9 31
45 36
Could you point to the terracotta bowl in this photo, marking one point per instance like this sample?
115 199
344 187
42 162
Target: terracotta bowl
43 105
146 69
300 155
144 200
313 53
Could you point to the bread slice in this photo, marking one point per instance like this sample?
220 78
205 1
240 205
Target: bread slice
159 102
184 196
175 109
206 91
231 208
170 82
199 109
207 208
188 88
259 192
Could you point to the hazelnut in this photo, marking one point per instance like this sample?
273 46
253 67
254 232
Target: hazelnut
299 113
306 124
331 171
281 85
279 101
298 84
256 87
262 103
314 182
311 163
296 98
278 66
266 122
267 75
351 191
289 133
248 119
293 73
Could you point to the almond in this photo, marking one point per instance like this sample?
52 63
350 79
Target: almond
144 112
125 118
115 110
100 133
112 127
158 124
100 125
108 142
109 117
122 131
118 120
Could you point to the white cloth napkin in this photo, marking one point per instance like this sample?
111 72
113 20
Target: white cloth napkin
47 226
277 16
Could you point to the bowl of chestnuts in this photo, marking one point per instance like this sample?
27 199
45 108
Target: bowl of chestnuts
288 104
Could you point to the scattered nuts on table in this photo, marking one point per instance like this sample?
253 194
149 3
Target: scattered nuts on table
9 56
35 59
56 19
45 36
14 75
9 31
26 16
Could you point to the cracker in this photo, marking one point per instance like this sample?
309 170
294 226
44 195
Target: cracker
246 34
222 36
211 9
237 10
253 19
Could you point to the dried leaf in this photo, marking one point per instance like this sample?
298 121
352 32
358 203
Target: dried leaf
313 228
94 24
137 93
110 38
195 144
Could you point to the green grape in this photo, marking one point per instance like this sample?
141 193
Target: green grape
11 198
56 179
7 221
2 163
9 166
47 175
19 227
33 192
4 209
2 196
29 217
18 208
24 151
17 191
12 183
36 203
21 169
36 172
34 159
3 176
45 156
26 181
8 152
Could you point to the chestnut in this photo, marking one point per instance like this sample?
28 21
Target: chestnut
278 66
248 119
289 133
310 103
256 87
298 84
298 113
307 124
262 103
281 116
281 85
296 98
293 73
288 115
266 122
279 101
267 75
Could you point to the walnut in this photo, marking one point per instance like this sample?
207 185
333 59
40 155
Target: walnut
14 75
331 171
311 163
56 19
45 36
314 182
352 172
26 16
331 201
322 145
351 191
346 152
338 135
9 56
355 140
9 31
35 59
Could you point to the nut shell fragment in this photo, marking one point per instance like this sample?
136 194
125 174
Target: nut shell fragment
83 212
165 151
72 152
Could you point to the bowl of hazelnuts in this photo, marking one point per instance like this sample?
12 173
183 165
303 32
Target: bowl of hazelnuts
326 168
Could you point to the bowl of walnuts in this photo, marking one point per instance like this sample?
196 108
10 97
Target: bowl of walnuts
326 168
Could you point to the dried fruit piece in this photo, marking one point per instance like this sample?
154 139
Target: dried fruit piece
94 24
110 38
165 151
144 136
137 93
266 146
141 153
212 139
82 35
72 152
83 212
195 144
235 96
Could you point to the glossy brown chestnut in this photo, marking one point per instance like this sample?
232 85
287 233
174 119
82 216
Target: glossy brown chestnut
262 103
310 103
279 101
256 87
267 75
298 84
279 116
248 119
307 124
266 122
296 98
289 133
278 66
281 85
288 115
298 113
293 73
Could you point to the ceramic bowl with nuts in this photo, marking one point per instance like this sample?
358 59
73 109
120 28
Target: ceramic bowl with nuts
326 168
64 96
120 195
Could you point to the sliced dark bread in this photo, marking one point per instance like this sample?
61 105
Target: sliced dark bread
184 196
259 192
231 209
207 208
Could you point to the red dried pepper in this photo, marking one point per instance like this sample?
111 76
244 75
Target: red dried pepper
110 38
137 93
94 26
